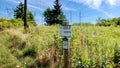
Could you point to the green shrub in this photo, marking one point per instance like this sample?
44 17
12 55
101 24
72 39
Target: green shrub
57 41
117 56
30 51
16 22
4 23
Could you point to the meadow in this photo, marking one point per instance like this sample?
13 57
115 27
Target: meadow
41 47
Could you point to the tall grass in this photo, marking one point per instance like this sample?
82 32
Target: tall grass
41 47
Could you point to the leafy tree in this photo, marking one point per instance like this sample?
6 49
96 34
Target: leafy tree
55 15
102 22
19 13
108 22
48 14
117 21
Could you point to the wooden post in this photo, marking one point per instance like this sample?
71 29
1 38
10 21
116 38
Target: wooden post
66 32
25 14
66 51
66 58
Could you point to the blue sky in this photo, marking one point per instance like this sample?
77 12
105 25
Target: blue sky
89 10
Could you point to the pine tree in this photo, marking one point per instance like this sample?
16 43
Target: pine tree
19 11
57 7
58 14
55 15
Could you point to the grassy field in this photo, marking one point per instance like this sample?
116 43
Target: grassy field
41 47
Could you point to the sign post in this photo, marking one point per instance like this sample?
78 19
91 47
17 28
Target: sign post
66 32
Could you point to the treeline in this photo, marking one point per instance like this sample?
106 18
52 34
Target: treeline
108 22
84 24
102 22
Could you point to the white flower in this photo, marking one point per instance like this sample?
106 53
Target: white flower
17 66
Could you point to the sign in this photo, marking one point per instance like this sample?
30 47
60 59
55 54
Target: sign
65 43
66 31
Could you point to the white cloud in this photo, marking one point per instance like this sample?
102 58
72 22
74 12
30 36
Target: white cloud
42 3
68 8
106 13
29 5
35 7
97 4
113 2
45 4
91 3
14 1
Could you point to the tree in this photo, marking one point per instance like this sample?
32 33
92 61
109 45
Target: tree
117 20
48 16
58 15
102 22
19 13
108 22
55 15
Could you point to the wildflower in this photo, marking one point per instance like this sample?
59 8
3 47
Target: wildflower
17 66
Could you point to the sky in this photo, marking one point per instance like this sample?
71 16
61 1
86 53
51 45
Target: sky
74 10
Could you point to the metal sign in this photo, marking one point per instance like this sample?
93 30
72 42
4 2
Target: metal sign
66 31
65 43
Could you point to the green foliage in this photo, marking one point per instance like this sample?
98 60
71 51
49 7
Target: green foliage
48 16
16 22
11 23
109 22
57 41
117 56
19 13
101 22
6 58
4 23
30 51
55 15
91 47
